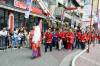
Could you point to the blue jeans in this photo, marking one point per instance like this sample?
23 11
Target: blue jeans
77 45
48 45
15 42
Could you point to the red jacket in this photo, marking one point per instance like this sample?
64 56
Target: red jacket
67 36
49 37
57 34
93 37
98 37
79 34
72 37
83 37
62 34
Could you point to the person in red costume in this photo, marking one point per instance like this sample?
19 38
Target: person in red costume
78 36
67 39
99 38
83 40
48 37
62 34
60 39
57 36
71 39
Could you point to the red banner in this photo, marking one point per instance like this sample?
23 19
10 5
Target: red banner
23 6
36 10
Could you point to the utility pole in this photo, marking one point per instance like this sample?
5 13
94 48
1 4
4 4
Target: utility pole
98 10
90 26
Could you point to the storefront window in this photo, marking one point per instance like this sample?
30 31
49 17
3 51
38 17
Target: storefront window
6 17
1 18
16 19
31 21
22 20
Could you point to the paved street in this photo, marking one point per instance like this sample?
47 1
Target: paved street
90 59
22 57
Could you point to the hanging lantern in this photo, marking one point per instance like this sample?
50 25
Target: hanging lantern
71 8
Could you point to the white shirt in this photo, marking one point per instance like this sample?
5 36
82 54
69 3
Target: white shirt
4 33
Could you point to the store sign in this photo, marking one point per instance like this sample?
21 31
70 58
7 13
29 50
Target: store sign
36 10
23 6
19 4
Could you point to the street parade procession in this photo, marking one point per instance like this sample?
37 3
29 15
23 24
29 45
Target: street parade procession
49 32
68 39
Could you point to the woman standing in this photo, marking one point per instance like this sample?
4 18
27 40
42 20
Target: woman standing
36 41
15 39
26 39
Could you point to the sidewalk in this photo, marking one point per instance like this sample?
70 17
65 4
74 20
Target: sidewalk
90 59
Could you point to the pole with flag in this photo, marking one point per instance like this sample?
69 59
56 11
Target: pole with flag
90 25
29 4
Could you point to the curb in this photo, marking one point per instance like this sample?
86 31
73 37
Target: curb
75 58
69 59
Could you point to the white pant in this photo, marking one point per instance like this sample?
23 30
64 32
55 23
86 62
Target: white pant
60 43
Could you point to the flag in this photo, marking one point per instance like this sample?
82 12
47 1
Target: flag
37 33
11 22
29 4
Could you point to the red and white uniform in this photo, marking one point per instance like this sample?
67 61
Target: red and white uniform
67 39
62 35
79 34
83 37
48 37
71 39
